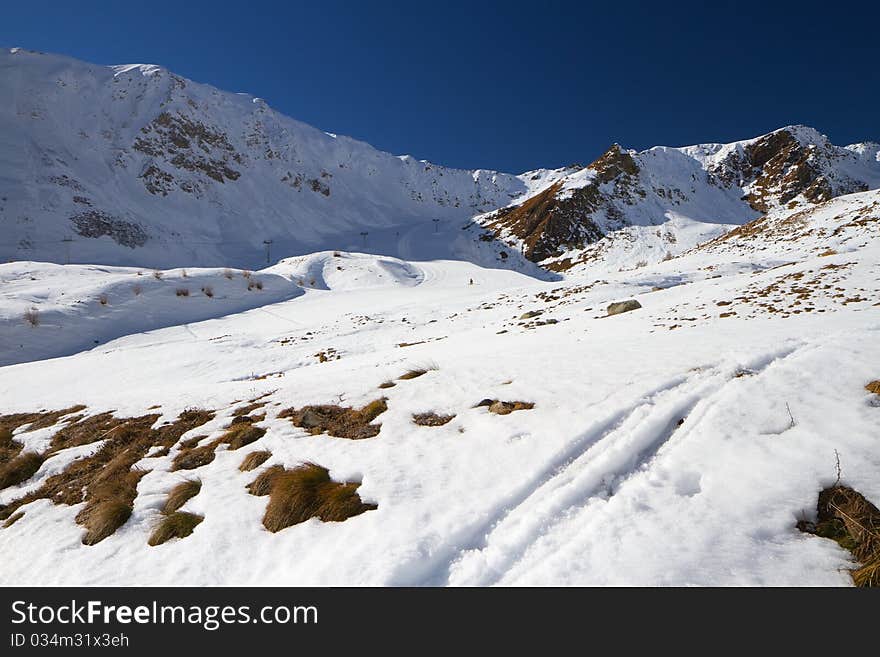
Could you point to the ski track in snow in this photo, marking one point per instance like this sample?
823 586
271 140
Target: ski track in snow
594 463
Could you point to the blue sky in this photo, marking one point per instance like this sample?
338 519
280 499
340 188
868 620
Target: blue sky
501 85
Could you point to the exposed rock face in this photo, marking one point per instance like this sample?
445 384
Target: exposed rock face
623 307
779 167
95 223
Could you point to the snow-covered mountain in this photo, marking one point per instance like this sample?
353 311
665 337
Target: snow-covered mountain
431 409
630 208
137 165
134 165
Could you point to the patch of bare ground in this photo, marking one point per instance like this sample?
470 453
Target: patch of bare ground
431 419
107 480
306 492
845 516
338 421
873 386
505 407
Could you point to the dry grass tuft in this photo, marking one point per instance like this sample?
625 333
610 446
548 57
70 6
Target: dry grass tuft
308 492
208 291
181 494
338 421
873 386
248 409
182 292
190 458
254 460
386 385
157 275
240 434
414 373
103 299
845 516
177 525
32 316
431 419
228 274
103 519
137 289
263 483
13 519
20 469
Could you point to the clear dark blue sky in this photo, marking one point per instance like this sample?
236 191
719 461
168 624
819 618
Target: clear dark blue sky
503 85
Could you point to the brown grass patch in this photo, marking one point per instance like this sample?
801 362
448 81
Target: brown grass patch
240 434
338 421
182 292
20 469
254 460
181 494
247 409
874 387
9 447
176 525
308 492
103 519
190 458
106 481
413 374
263 483
13 519
845 516
431 419
386 385
505 407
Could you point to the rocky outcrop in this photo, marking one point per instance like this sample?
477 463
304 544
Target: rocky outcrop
619 307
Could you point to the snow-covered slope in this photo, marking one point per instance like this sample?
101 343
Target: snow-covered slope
679 443
138 166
